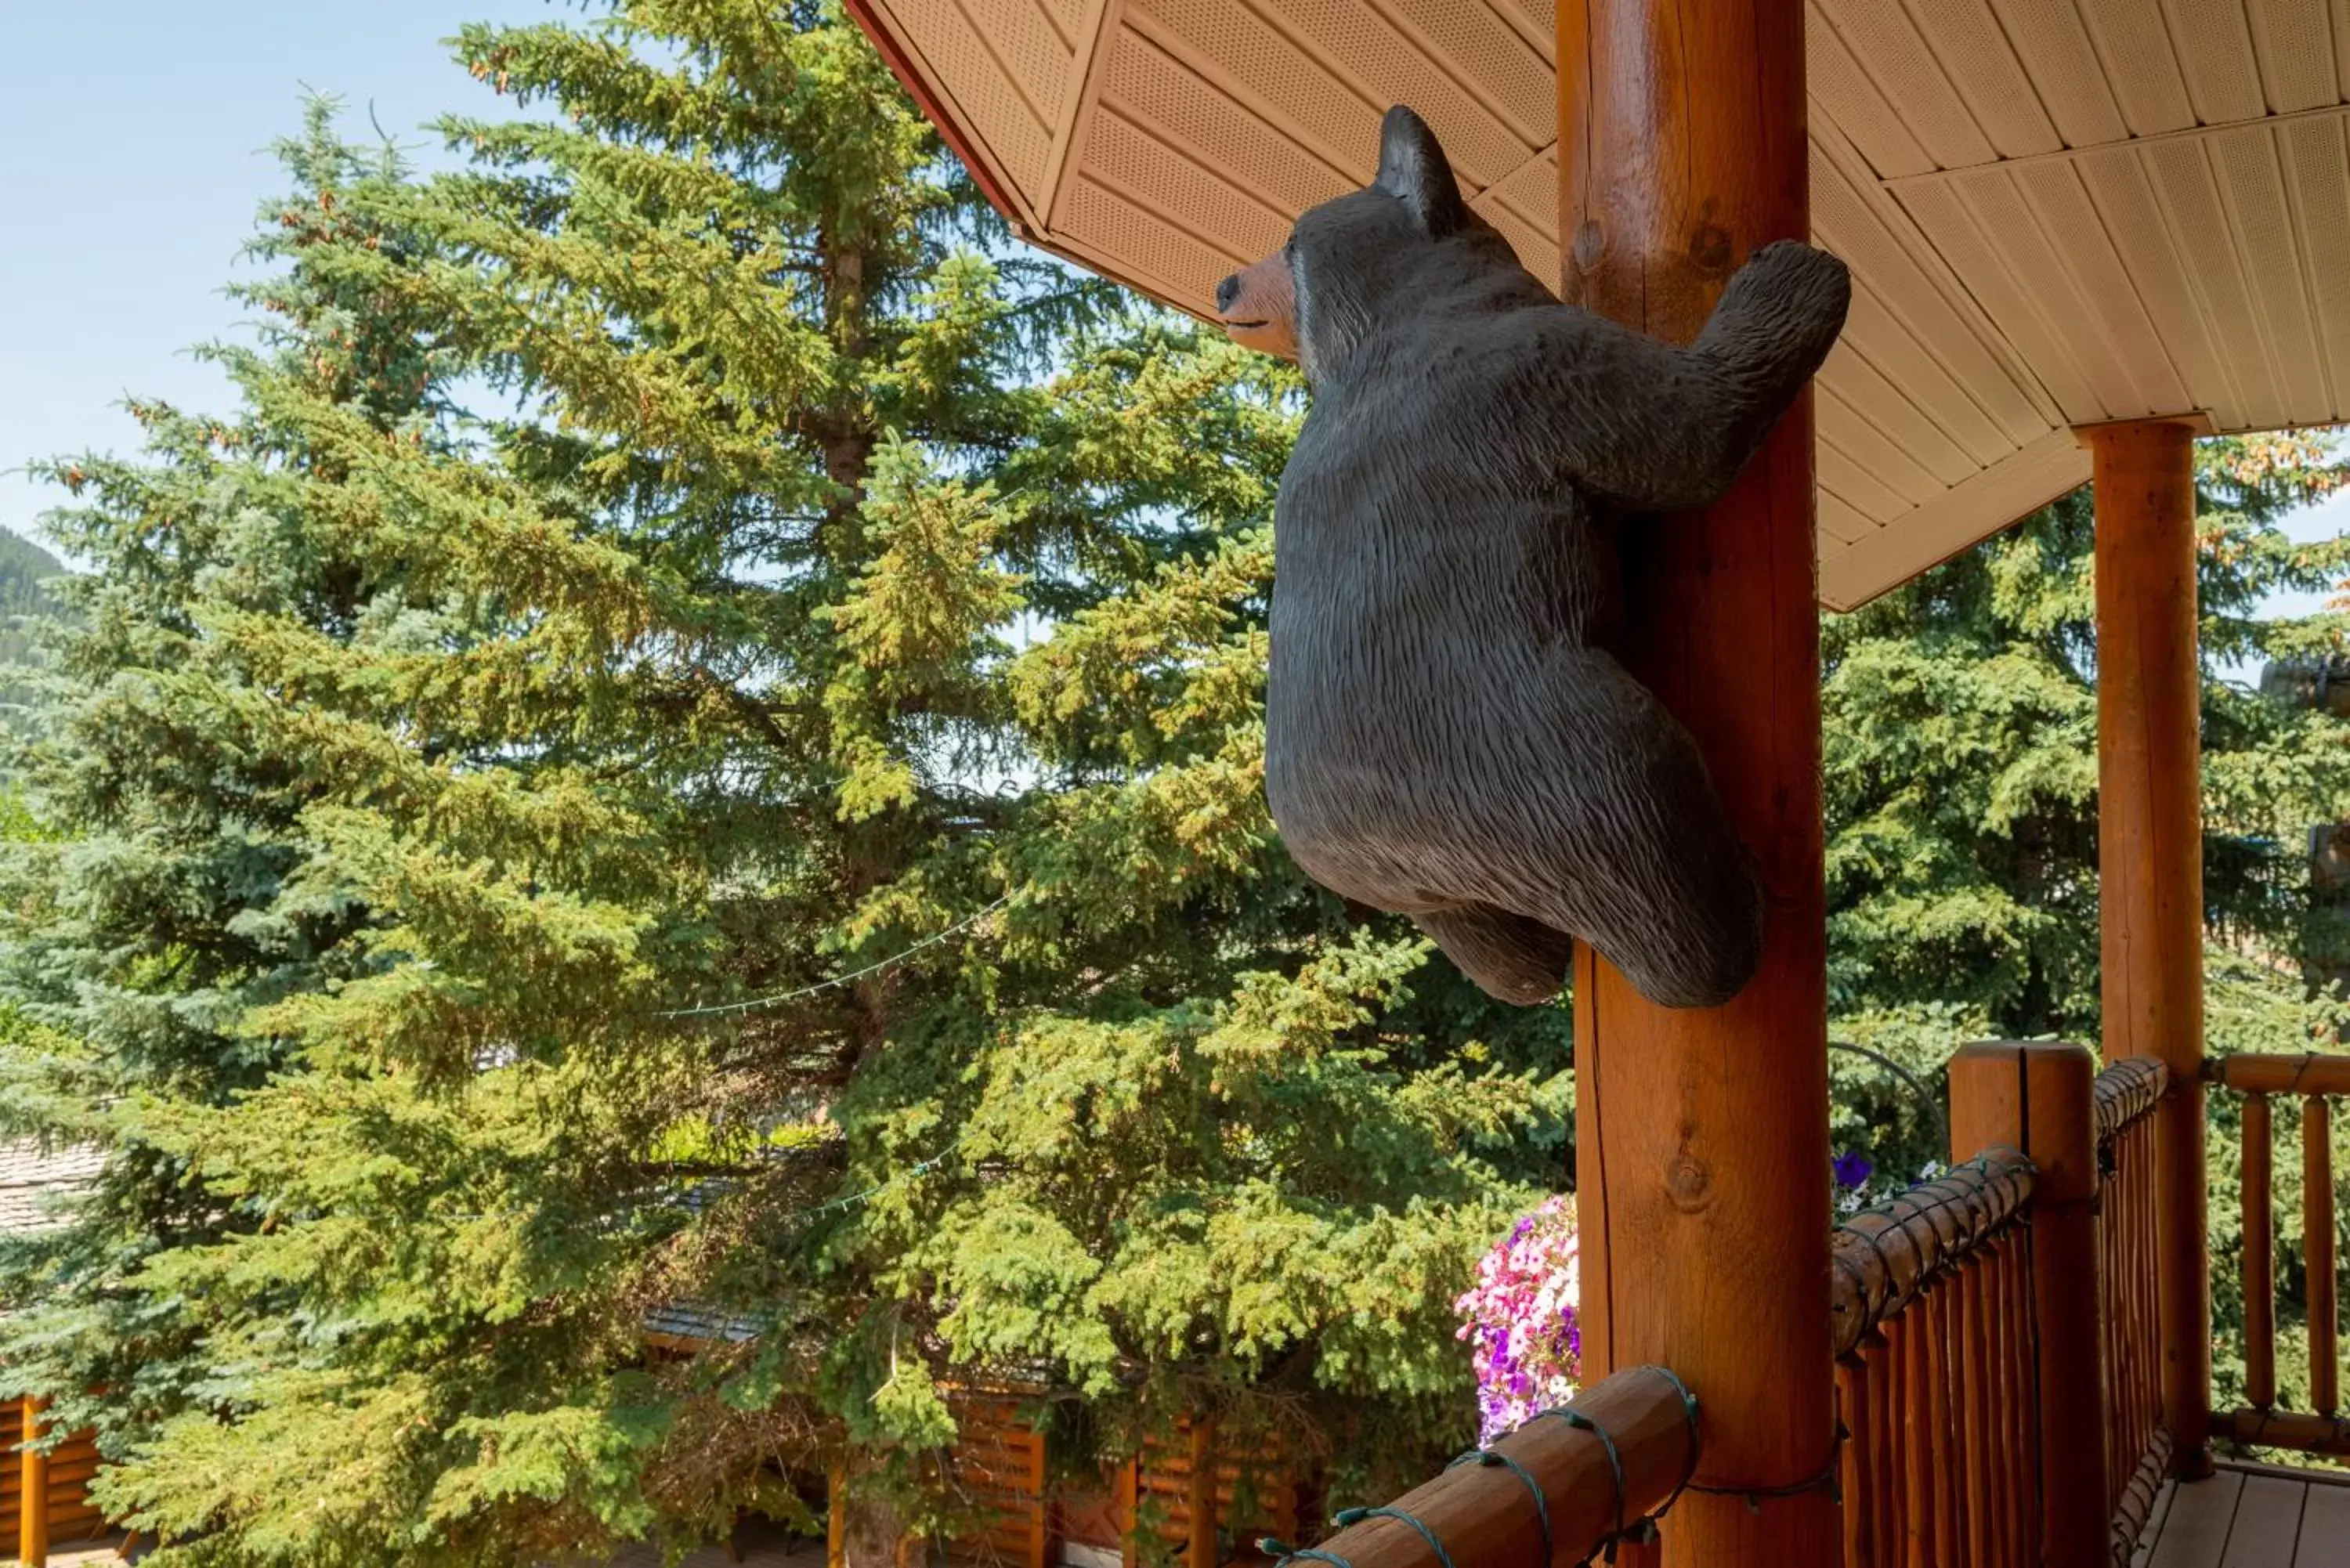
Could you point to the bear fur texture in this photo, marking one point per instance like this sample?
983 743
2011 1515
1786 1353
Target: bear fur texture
1448 735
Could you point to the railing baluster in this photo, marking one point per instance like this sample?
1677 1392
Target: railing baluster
1975 1355
1892 1479
2317 1243
2007 1396
2260 1256
1857 1464
2113 1274
1958 1502
1917 1421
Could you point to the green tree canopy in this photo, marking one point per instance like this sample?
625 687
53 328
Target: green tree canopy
1960 752
696 737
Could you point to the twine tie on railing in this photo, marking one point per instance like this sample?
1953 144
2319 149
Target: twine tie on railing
1626 1529
1274 1547
1489 1458
1346 1516
1583 1423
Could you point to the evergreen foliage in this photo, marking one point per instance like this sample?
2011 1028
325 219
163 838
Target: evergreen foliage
695 738
683 558
1962 772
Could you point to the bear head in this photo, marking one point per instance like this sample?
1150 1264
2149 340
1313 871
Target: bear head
1361 261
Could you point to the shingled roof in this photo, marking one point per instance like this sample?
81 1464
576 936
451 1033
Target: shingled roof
36 1178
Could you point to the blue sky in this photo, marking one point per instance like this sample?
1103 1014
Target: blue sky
136 137
135 140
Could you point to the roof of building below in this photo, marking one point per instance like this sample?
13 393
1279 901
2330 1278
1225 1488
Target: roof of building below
2058 212
36 1180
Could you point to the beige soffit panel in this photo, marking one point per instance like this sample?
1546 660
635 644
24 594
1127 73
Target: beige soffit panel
1852 574
2058 212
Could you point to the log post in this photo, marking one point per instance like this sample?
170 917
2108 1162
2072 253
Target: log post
1199 1550
33 1492
2150 860
2040 1098
836 1516
1702 1135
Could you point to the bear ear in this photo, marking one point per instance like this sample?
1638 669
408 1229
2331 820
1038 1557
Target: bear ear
1413 170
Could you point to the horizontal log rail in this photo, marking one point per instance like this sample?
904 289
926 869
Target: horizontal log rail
2292 1430
2127 1092
2305 1073
1934 1371
1887 1255
2310 1077
1558 1491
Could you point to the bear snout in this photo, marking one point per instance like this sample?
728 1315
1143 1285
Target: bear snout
1258 307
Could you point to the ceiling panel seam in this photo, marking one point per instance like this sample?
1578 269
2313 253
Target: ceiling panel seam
1878 203
2191 133
2117 342
2303 278
1172 43
1968 84
2253 397
1099 20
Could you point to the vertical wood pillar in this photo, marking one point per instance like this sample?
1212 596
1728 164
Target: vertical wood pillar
1200 1550
2150 860
2041 1098
836 1517
33 1493
1701 1136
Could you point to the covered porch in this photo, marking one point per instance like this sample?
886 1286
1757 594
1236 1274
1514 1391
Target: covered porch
2082 232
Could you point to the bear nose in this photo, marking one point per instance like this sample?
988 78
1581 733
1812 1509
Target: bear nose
1228 291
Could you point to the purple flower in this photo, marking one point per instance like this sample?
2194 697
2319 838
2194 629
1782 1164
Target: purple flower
1851 1171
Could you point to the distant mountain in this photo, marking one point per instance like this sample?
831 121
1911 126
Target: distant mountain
24 566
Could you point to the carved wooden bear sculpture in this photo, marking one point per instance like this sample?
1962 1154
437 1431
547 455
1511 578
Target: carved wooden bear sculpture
1448 735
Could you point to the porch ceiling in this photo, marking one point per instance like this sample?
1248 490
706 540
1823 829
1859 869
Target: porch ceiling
2058 212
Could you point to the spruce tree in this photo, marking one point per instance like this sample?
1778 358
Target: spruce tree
697 738
1960 753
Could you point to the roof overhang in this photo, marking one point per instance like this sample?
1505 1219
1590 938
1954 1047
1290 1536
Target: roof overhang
2058 212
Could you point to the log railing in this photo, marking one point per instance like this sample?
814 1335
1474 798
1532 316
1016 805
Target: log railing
2311 1079
1935 1372
2130 1285
1560 1489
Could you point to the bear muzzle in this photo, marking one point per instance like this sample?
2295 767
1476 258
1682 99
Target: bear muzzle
1258 308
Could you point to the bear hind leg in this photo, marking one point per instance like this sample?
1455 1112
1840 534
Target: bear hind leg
1510 957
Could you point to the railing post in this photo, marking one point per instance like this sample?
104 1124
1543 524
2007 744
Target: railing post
2040 1097
33 1492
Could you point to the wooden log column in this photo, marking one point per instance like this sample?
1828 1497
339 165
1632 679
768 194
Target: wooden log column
1703 1157
33 1492
2150 858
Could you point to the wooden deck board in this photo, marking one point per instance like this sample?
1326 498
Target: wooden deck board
2268 1524
2326 1529
2201 1514
2252 1516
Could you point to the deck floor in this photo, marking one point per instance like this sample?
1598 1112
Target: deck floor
2252 1516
